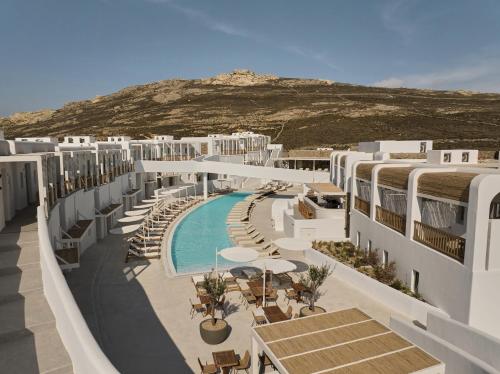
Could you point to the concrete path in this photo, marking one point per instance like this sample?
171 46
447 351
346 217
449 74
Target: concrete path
141 318
29 341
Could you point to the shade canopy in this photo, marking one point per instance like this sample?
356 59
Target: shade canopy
239 254
144 206
124 229
277 266
169 192
293 244
132 213
147 201
131 219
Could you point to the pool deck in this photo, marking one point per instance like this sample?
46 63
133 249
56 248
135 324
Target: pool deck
141 317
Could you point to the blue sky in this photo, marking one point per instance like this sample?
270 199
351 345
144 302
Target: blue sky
56 51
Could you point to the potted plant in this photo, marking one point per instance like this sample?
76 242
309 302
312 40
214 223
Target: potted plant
214 330
316 276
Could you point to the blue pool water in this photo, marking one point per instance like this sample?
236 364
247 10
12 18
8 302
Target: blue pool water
198 235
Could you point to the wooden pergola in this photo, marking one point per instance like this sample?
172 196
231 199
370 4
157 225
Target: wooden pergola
346 341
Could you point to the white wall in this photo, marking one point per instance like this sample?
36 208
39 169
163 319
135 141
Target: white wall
394 299
86 355
444 282
456 360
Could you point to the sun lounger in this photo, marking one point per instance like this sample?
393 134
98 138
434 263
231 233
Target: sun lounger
198 279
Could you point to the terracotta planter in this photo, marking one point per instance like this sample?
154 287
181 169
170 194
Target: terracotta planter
214 334
305 311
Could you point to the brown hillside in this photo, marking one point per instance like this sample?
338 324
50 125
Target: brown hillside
299 113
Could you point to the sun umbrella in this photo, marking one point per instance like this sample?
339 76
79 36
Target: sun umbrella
124 229
276 266
141 212
131 219
143 206
239 254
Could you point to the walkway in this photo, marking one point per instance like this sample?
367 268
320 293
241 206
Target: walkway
29 341
141 317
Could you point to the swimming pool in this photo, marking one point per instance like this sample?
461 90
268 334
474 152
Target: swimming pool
198 234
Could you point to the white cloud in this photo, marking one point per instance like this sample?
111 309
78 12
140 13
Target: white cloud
481 75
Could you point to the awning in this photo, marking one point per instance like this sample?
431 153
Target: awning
346 341
326 189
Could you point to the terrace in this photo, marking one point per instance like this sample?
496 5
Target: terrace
154 330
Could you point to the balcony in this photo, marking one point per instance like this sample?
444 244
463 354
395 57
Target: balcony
390 219
362 205
441 241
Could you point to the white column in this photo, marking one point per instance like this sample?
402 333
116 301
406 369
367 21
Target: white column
255 356
205 186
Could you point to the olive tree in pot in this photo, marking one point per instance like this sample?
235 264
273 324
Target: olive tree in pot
312 281
214 330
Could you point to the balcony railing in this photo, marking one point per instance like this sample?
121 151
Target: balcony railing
442 241
362 205
305 210
390 219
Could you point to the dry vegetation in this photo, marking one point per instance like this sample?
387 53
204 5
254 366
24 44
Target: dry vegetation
299 113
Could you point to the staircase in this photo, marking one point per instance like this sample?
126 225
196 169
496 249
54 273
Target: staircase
29 341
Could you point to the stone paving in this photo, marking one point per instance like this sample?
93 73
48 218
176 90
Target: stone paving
141 317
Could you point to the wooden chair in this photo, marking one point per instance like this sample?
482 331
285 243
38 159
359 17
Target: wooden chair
207 368
265 361
291 295
196 308
244 363
273 296
258 320
289 312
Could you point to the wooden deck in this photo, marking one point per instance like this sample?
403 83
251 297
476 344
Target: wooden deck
347 341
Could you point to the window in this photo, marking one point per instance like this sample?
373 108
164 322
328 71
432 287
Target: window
465 156
385 258
70 140
369 246
447 157
460 219
415 278
82 140
423 147
358 239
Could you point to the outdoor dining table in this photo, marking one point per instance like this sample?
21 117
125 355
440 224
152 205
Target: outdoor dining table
225 360
257 291
274 314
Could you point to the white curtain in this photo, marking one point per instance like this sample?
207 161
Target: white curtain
394 201
364 190
438 214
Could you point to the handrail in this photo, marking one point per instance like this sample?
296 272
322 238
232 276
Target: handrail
85 353
362 205
442 241
390 219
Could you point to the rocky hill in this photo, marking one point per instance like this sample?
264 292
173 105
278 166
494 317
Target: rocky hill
299 113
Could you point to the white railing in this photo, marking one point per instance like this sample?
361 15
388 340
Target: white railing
85 353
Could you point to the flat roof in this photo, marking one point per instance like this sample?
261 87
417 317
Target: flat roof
326 188
346 341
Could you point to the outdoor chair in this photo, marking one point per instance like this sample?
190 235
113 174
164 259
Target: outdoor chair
207 368
273 296
291 295
258 320
244 363
196 308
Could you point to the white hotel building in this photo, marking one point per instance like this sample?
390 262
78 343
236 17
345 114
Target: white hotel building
435 213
